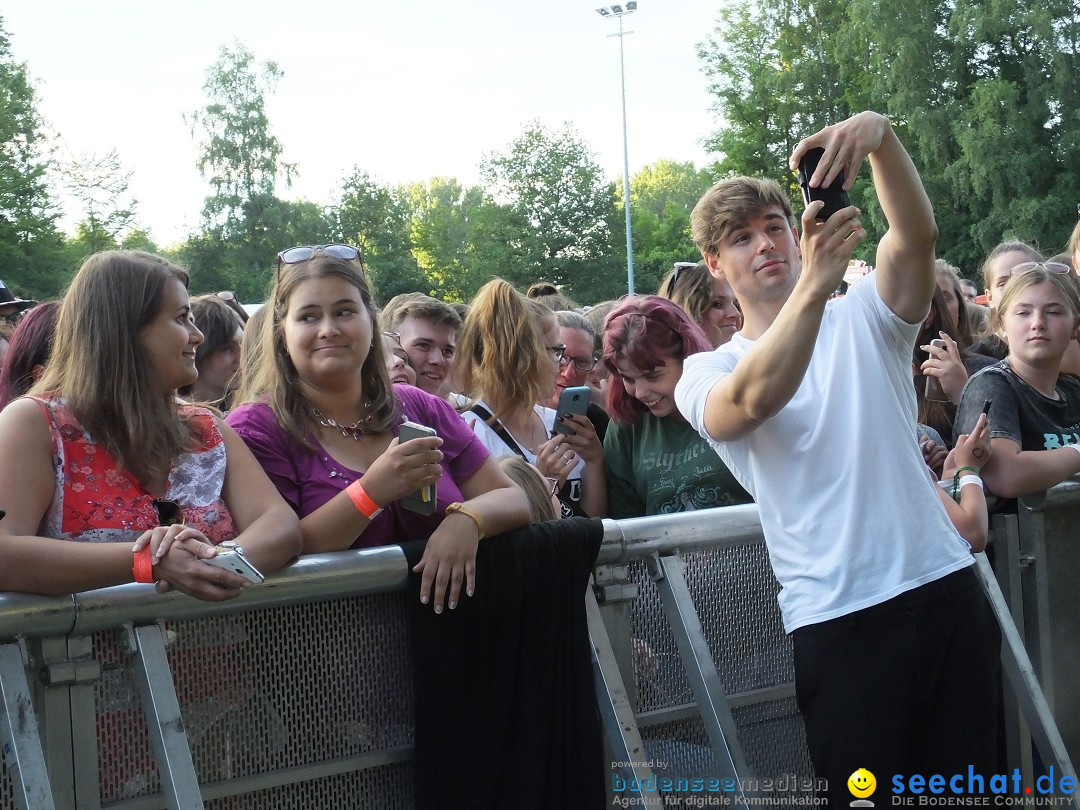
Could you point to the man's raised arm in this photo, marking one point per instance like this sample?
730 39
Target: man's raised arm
768 375
905 255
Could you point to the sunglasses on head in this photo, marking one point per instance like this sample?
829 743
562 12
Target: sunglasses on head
301 253
1050 267
639 320
229 297
678 268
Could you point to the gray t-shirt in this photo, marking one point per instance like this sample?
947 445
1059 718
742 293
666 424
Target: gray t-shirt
1019 412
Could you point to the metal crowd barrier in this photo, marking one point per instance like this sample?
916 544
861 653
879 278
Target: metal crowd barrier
298 694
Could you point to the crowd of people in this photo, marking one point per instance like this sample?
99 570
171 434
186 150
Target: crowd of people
152 427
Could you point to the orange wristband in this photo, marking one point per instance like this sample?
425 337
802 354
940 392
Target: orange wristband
144 566
362 501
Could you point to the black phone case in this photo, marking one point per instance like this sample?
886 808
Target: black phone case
833 196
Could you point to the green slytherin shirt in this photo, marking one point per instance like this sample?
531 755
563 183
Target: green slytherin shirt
659 466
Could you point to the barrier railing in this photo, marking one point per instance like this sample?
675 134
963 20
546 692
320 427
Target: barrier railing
297 694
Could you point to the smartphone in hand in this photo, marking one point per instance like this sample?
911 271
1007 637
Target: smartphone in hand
423 500
934 392
573 400
834 196
231 557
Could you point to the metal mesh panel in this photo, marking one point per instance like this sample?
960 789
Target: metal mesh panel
679 748
1060 572
734 592
766 731
7 788
125 759
387 788
660 676
269 690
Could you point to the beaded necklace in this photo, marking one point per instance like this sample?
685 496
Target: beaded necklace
356 431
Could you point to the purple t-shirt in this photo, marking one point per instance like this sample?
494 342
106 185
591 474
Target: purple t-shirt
308 480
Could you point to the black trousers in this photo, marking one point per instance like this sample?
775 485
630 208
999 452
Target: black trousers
905 687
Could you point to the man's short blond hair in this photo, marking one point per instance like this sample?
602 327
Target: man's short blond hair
419 306
730 203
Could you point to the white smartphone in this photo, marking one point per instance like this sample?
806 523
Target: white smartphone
423 500
231 557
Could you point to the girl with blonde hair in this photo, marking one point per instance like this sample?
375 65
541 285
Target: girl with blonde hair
1034 414
507 360
707 299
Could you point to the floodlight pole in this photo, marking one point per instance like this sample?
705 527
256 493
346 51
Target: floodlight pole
620 12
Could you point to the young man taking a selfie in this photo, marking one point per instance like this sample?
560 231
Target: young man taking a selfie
812 407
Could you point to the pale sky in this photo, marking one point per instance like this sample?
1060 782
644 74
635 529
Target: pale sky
407 90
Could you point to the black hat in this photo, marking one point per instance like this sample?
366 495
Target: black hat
7 298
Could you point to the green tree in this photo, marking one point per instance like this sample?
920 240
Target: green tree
377 218
442 217
32 253
984 95
550 185
242 161
100 184
216 264
771 67
662 195
140 239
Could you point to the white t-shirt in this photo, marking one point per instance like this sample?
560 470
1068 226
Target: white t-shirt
849 515
497 447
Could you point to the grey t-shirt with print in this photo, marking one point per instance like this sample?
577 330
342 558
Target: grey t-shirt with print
1019 412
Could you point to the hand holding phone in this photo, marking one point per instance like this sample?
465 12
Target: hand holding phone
573 400
934 392
833 195
422 501
231 557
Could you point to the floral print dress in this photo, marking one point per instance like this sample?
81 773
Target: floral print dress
97 501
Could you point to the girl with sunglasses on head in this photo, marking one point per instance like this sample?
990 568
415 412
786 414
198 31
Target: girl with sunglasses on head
103 452
997 270
708 300
318 410
656 462
508 357
1034 408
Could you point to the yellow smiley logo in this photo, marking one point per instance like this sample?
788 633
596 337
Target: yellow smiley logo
861 783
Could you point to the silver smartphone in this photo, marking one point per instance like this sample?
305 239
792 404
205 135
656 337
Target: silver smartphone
423 500
231 557
573 400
